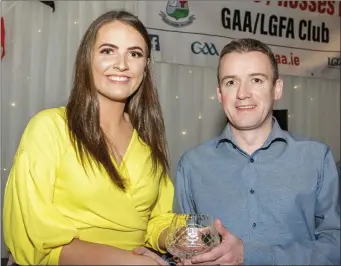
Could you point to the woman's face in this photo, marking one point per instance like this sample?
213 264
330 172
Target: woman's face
119 59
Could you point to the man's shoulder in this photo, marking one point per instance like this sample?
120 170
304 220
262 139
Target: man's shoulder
306 146
200 152
295 138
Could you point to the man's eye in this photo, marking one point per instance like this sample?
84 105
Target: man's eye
257 80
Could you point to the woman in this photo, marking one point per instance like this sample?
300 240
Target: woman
89 182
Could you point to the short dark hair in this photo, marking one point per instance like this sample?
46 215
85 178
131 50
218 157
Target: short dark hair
250 45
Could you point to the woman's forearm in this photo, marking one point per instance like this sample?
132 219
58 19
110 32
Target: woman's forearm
162 239
80 252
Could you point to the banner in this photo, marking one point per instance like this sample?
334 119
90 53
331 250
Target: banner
304 35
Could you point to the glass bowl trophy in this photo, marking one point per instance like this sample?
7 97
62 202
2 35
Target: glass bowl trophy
190 235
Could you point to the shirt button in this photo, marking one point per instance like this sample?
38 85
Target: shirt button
252 160
254 225
252 191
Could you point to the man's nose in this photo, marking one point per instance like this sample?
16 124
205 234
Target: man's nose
243 91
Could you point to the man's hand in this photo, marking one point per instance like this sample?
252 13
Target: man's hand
229 252
146 252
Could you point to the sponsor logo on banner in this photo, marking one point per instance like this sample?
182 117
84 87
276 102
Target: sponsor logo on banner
154 39
334 62
204 48
177 14
291 60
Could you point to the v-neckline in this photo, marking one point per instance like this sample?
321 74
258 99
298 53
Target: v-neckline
126 153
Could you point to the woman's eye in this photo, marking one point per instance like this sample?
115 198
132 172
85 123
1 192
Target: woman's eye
107 51
136 54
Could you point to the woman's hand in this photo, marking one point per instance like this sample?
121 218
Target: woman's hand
146 252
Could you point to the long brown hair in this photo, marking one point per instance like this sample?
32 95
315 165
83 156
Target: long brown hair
143 106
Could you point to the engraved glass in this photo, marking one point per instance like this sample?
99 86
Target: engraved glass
190 235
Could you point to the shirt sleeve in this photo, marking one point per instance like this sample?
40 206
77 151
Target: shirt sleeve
183 202
34 229
324 249
161 215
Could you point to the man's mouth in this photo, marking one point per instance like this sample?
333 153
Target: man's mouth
246 107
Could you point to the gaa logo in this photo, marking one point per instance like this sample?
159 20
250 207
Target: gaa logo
334 62
204 48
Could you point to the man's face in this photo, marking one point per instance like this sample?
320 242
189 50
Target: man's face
246 91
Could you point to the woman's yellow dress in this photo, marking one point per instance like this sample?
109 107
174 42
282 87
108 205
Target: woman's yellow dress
50 199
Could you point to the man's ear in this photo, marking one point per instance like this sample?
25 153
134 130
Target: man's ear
278 89
219 94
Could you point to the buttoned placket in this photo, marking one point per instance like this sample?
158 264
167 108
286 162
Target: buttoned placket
250 175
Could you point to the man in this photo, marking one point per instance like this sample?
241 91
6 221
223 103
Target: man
276 197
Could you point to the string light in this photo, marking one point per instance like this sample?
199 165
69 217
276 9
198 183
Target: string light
199 116
184 132
13 104
75 22
212 97
295 87
5 169
311 99
39 30
176 97
190 72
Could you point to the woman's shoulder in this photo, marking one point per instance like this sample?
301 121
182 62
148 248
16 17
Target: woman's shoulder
44 117
47 122
55 114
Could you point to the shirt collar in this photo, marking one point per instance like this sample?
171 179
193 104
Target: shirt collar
276 134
